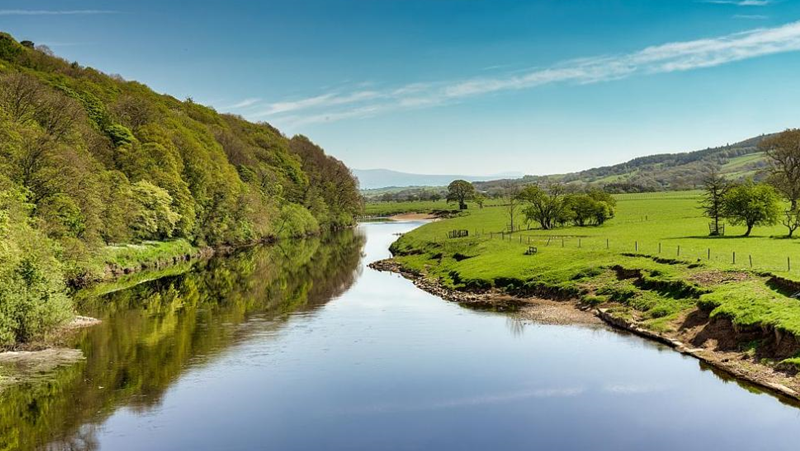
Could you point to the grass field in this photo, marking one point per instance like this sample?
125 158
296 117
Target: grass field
643 239
423 206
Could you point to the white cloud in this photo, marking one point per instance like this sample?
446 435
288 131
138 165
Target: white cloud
43 12
664 58
751 16
325 100
740 2
243 104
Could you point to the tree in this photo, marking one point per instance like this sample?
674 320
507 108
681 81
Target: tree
460 191
154 218
752 204
791 221
547 207
715 188
783 155
512 201
480 199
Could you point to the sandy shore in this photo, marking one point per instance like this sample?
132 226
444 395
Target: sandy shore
413 217
738 364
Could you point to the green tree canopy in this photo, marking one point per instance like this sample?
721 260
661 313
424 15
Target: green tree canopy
460 191
752 204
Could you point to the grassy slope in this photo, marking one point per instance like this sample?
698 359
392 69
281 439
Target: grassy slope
669 289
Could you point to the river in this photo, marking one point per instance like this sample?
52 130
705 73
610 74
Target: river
299 346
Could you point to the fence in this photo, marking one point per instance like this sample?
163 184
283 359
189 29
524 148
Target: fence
673 249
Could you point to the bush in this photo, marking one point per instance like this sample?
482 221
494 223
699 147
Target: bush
33 296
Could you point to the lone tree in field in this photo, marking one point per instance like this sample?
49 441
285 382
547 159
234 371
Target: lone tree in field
783 155
479 199
752 204
460 191
511 195
715 187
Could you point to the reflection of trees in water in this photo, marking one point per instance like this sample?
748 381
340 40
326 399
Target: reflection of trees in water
150 333
515 324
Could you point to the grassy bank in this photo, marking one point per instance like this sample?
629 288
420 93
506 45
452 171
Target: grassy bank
380 208
632 267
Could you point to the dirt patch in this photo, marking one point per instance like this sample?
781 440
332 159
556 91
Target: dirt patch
544 311
715 277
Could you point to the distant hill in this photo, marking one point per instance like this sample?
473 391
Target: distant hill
384 178
676 171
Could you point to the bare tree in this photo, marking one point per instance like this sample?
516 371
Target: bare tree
716 187
511 195
783 154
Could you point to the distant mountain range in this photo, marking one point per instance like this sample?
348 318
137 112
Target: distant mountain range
386 178
674 171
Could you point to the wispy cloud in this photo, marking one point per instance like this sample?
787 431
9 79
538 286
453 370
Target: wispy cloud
740 2
243 104
48 12
670 57
751 16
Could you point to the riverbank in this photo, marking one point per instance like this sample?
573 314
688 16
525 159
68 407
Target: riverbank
700 336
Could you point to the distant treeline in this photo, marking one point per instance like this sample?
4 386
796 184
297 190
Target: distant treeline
88 160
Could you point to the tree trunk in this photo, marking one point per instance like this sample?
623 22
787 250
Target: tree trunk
462 205
749 229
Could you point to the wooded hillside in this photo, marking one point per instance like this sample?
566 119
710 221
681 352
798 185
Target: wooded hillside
89 161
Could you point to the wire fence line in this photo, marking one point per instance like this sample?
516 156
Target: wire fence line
671 249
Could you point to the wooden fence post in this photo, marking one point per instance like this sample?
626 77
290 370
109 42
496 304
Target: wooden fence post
636 246
679 250
734 257
607 243
709 254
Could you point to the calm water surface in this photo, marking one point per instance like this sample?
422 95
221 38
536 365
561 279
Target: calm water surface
301 347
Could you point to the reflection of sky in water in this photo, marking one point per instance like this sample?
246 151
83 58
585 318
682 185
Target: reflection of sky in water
388 366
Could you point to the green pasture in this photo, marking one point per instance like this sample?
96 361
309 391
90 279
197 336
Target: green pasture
644 236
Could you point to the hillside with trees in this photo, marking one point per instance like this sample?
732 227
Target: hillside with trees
662 172
91 163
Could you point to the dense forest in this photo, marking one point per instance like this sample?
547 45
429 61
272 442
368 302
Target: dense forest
90 162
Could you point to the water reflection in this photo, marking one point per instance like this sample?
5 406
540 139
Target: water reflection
153 331
247 353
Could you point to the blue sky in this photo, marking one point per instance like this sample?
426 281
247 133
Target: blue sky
455 86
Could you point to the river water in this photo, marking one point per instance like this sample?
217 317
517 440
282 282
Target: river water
301 347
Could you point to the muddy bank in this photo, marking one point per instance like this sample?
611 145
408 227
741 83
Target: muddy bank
35 361
537 309
413 217
713 341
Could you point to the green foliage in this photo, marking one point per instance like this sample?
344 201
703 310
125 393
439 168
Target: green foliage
752 204
32 291
460 191
153 218
104 162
